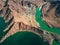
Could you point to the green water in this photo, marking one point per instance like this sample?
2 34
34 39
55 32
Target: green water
55 42
24 38
43 25
3 25
20 38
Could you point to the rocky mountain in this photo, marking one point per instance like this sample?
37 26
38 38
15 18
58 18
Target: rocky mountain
13 12
21 16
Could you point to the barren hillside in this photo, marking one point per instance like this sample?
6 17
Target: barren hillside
21 16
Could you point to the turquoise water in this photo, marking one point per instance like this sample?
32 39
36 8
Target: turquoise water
24 38
43 25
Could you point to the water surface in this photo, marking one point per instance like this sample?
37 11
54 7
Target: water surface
24 38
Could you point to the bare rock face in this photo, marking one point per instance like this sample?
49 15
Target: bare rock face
19 20
21 16
52 16
13 8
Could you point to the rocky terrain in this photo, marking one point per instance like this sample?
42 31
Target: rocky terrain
21 21
22 17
